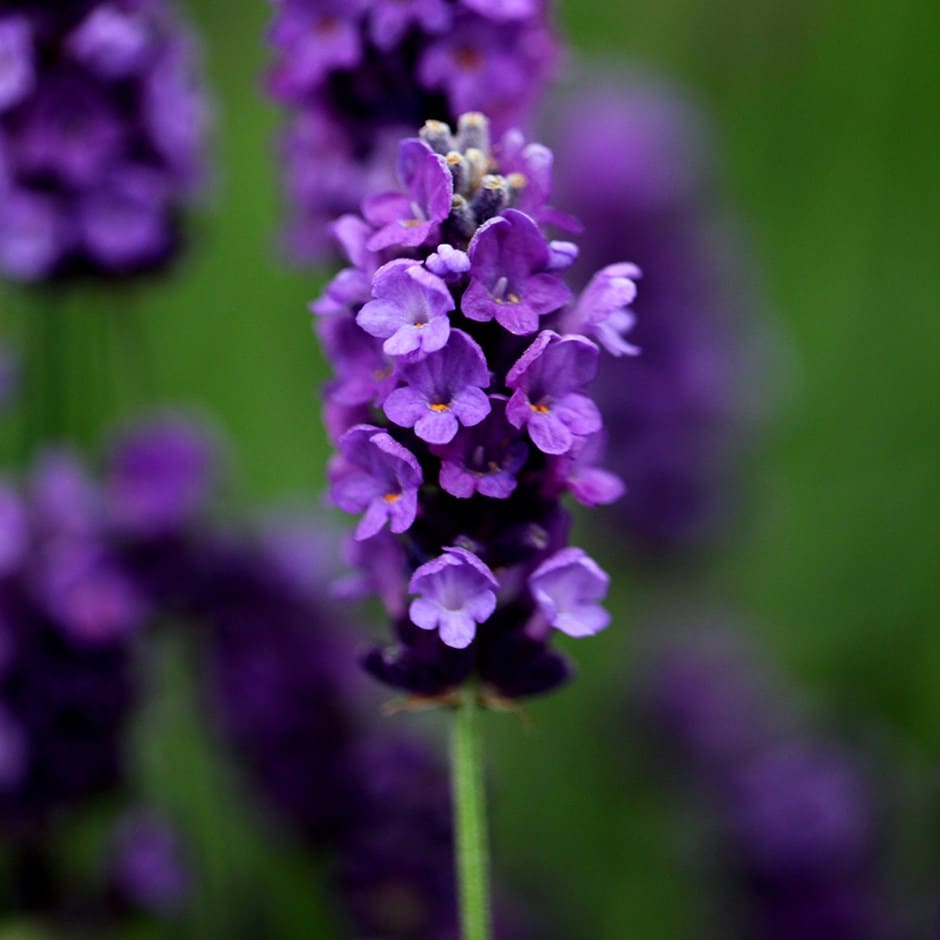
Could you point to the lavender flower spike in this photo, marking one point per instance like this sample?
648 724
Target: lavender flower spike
567 588
447 454
410 309
456 593
546 400
377 476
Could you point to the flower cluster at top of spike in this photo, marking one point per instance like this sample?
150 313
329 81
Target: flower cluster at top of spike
633 166
460 410
102 125
360 74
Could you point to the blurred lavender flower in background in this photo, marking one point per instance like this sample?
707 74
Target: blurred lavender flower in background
149 871
797 818
357 76
102 130
79 595
633 166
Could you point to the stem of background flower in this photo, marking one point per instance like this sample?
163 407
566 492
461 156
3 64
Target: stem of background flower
471 846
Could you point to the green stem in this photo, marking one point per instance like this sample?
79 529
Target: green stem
472 849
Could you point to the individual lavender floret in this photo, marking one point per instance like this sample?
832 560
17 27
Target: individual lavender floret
434 436
568 588
547 398
509 258
455 594
409 217
356 76
484 459
409 311
375 475
102 127
633 166
442 391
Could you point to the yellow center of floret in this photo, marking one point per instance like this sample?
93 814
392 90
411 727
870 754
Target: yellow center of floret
438 406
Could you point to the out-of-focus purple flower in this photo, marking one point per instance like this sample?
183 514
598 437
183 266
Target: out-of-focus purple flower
34 235
103 125
112 42
568 588
455 594
86 591
633 166
148 870
453 466
409 310
442 391
376 476
356 75
160 476
508 279
278 684
17 61
797 819
547 399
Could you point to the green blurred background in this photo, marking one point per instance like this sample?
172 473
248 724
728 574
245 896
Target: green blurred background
826 117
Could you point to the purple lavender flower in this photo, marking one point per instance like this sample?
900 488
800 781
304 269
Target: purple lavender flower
409 218
376 476
795 815
484 459
160 477
546 399
102 124
149 871
112 42
568 588
442 391
453 467
17 61
634 166
455 594
602 308
410 309
508 279
356 75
